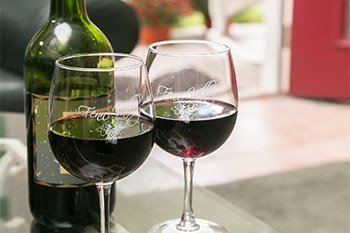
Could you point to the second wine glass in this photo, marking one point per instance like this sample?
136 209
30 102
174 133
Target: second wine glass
101 119
196 99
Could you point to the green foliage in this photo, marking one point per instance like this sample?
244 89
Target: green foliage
196 18
202 6
252 14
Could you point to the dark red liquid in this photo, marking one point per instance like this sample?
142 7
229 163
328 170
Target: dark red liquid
192 128
82 147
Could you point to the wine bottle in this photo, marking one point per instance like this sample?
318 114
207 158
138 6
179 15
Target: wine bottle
56 198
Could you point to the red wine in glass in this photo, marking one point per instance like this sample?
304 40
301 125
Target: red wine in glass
96 130
193 134
86 153
195 92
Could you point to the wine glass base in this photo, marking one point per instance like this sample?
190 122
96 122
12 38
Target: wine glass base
171 227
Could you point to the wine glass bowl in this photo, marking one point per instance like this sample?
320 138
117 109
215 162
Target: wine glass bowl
100 107
91 151
193 128
196 98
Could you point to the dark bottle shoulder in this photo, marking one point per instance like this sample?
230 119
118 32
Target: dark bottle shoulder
56 39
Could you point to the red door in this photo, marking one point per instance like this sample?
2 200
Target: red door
320 49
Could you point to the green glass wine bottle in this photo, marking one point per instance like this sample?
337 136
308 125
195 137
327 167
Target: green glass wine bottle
56 198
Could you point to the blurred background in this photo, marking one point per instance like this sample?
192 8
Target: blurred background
287 162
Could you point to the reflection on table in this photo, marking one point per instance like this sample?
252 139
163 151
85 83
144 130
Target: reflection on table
150 195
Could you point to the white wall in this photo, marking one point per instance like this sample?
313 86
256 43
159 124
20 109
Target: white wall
13 125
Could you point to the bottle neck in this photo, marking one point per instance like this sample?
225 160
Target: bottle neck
68 9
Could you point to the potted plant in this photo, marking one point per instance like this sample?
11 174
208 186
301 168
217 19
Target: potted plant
202 6
156 18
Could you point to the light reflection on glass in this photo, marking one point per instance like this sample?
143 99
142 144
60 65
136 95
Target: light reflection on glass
63 32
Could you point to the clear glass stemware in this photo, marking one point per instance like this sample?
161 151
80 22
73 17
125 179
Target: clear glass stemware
196 98
100 107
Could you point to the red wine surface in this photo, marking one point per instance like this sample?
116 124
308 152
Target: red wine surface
96 150
192 128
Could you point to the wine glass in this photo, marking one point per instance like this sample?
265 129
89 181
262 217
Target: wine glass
195 94
101 119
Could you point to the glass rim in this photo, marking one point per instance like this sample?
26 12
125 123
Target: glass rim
139 62
224 48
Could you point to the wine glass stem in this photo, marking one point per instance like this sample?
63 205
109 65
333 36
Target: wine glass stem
104 191
188 222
